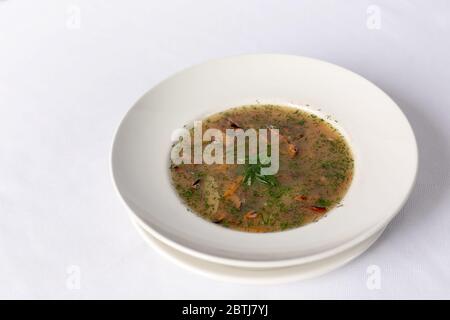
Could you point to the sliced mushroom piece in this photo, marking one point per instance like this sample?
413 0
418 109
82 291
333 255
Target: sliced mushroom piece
233 124
196 184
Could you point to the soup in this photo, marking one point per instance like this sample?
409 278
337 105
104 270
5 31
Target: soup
315 171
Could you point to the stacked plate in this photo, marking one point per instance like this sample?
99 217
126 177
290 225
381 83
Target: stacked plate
381 139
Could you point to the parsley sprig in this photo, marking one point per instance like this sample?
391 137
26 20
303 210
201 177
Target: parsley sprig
252 173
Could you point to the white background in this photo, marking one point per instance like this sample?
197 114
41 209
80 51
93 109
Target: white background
70 70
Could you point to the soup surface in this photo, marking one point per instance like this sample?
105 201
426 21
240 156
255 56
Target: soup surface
315 171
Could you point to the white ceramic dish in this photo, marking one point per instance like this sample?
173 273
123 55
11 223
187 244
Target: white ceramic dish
380 136
259 276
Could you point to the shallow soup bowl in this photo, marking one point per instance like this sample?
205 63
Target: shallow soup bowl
381 139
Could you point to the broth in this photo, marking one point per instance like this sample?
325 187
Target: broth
315 171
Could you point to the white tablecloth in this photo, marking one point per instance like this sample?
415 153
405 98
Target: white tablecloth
69 70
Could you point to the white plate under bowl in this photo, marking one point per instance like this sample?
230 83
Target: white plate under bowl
256 276
379 134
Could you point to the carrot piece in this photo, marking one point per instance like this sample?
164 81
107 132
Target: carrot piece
301 198
292 150
318 209
252 214
233 187
236 201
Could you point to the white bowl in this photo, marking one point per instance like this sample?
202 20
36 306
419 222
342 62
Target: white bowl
380 136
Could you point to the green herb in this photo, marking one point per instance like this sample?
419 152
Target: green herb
278 191
232 209
188 193
327 164
284 225
252 173
225 223
323 203
256 193
266 218
199 174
